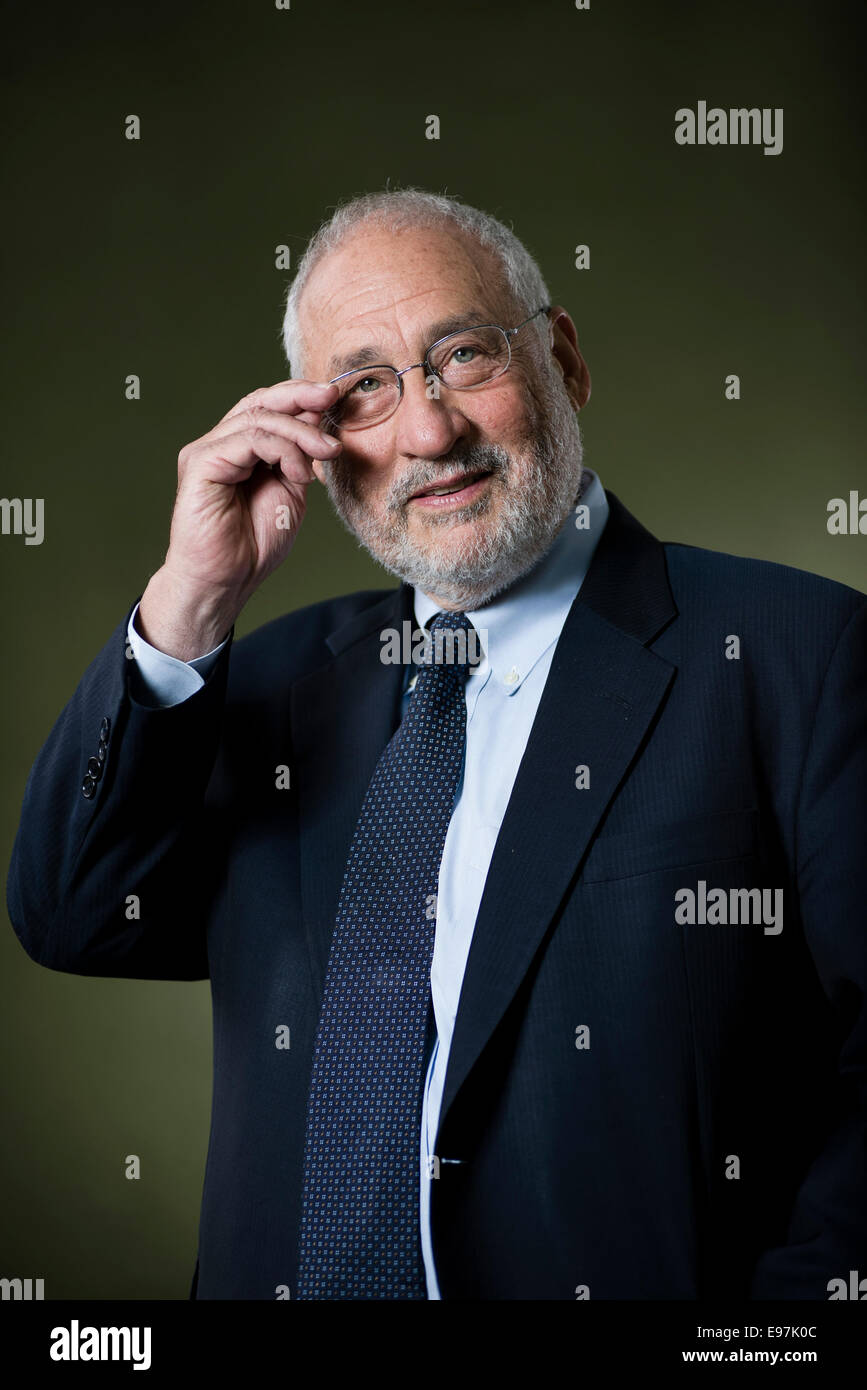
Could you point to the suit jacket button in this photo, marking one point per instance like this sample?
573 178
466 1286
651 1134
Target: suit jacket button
101 752
88 786
94 768
104 729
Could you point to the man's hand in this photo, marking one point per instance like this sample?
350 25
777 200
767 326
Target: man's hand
234 483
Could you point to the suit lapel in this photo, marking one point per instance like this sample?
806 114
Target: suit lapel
602 692
343 715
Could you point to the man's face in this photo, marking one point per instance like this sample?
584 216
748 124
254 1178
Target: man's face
513 446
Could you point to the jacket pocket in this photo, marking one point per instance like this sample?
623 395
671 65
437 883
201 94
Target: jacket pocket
677 844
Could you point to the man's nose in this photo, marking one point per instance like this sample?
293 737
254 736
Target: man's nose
428 422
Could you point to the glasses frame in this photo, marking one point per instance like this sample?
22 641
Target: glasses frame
508 334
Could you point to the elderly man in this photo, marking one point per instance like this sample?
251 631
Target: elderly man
537 957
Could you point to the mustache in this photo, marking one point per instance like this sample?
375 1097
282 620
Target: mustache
478 458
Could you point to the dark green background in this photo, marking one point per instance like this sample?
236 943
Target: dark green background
157 258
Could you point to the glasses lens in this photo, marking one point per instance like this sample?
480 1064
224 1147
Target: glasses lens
471 357
366 397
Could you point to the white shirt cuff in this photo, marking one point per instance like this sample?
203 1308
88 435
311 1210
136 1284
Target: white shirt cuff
168 680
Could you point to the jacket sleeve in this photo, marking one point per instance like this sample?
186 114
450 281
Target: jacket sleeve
114 862
827 1235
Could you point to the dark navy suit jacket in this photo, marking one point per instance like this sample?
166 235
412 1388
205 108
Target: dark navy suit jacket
609 1167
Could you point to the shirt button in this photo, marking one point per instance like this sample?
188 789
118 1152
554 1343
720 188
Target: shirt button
513 677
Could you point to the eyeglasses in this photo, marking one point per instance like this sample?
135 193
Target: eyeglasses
462 361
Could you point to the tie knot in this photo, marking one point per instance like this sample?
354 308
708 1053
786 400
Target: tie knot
455 621
453 641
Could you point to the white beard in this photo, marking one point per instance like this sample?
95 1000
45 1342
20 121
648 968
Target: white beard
537 490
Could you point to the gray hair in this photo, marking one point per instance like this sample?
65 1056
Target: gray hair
415 207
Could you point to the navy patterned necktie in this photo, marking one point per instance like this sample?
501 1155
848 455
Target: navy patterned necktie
359 1235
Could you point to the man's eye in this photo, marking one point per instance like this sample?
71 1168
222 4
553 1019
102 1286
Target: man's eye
366 385
464 354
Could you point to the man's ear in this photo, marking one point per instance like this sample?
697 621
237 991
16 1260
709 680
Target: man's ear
567 356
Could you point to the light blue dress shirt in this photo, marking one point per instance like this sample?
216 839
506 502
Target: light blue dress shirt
519 632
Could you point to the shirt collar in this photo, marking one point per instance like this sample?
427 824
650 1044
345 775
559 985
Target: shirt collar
518 626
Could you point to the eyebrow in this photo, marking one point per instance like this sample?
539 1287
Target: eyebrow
373 355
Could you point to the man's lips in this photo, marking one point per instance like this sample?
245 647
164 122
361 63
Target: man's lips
462 486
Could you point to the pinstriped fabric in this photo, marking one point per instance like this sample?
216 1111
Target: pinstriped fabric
359 1236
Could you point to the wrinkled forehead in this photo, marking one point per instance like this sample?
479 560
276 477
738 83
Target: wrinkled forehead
394 289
